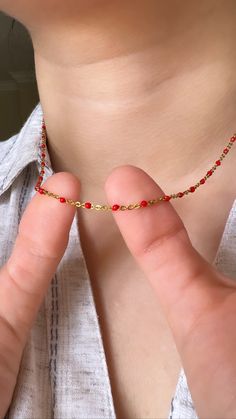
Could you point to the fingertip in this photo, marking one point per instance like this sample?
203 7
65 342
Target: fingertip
46 216
121 184
129 184
64 184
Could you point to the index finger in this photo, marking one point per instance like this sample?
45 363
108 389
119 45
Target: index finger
40 244
157 238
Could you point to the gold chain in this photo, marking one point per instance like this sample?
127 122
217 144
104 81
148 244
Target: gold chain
115 207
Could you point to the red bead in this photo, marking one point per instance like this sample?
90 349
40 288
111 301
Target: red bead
166 198
192 188
41 178
209 173
62 200
88 205
43 145
226 150
233 139
218 162
202 181
115 207
180 194
41 191
42 171
43 155
42 164
43 125
143 203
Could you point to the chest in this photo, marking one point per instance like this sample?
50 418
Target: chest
142 360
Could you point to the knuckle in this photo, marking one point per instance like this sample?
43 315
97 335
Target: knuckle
35 249
25 298
15 274
6 325
178 231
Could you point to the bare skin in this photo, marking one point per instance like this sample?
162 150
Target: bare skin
134 93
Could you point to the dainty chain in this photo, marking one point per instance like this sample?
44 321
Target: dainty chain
120 207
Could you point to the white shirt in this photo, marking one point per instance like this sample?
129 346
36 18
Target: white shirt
63 373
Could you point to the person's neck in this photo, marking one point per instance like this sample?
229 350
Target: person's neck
150 84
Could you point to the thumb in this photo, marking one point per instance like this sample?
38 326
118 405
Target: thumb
158 240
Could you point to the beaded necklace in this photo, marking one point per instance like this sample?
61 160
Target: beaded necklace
116 207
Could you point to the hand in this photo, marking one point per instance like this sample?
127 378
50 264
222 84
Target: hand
198 301
41 242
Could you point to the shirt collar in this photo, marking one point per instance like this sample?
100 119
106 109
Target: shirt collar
21 149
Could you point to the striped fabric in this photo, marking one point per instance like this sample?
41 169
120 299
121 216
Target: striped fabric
63 372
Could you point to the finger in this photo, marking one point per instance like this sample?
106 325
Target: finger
40 244
158 240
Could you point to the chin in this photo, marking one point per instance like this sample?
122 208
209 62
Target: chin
30 11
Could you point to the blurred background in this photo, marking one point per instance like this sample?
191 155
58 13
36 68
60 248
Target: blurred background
18 87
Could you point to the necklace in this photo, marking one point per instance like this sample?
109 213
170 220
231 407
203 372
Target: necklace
115 207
